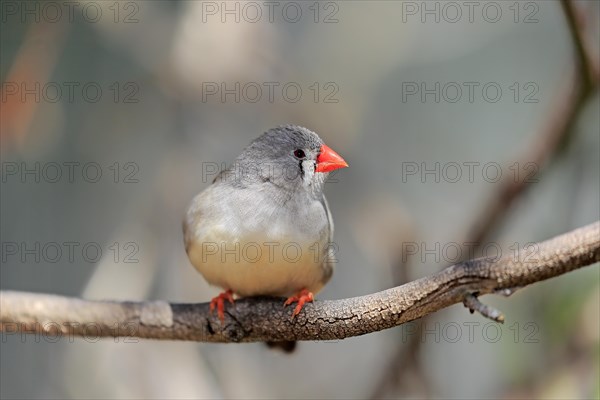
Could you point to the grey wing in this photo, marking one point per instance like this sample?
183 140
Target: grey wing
191 219
194 213
329 253
196 216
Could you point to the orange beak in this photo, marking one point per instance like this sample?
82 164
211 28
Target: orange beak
328 160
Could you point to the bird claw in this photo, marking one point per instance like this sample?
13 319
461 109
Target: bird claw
302 297
219 303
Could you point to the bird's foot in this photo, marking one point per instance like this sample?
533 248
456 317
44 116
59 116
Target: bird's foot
302 297
219 303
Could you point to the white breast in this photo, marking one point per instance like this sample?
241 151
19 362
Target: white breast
255 248
259 265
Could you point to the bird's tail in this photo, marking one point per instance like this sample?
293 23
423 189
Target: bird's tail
287 347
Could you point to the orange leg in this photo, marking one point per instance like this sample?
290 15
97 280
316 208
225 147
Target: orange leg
219 302
302 297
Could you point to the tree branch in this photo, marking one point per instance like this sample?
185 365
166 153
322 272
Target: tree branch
262 319
553 133
588 71
542 152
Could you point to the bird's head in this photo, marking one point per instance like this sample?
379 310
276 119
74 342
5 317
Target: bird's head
291 157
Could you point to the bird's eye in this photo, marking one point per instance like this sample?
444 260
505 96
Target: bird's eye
299 153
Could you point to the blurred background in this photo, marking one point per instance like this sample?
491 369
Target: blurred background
115 114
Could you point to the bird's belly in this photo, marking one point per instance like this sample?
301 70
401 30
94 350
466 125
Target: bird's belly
254 266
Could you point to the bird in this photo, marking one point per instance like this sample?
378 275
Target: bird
263 227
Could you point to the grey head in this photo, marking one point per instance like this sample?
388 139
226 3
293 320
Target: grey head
285 156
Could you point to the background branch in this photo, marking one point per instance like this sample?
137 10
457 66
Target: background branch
542 151
262 319
553 134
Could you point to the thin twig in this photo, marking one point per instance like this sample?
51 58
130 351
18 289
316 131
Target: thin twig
472 303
